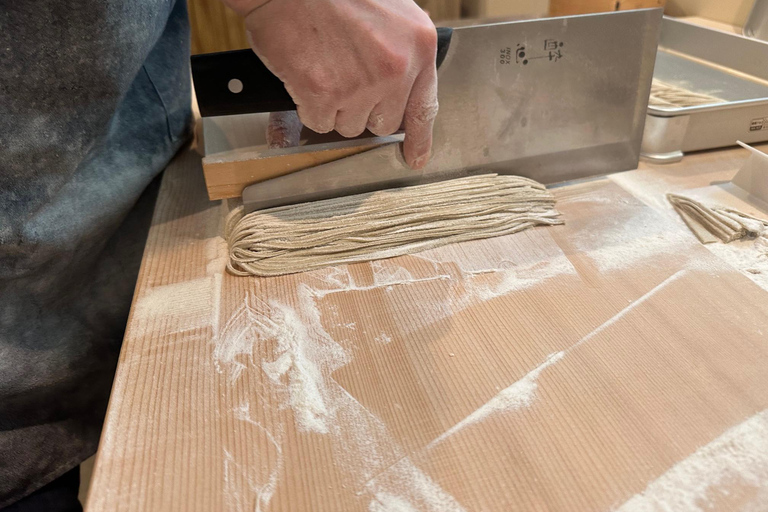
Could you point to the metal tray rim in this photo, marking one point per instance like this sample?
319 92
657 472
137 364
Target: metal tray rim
684 111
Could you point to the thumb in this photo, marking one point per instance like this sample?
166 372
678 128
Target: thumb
420 114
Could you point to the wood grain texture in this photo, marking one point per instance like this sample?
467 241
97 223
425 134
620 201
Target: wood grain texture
441 10
504 8
215 28
227 174
566 368
569 7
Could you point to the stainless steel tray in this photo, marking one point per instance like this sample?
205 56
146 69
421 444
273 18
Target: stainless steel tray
757 22
725 65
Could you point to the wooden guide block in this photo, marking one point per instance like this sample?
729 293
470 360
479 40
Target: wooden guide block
236 153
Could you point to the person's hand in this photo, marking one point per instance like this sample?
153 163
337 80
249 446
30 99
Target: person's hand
352 64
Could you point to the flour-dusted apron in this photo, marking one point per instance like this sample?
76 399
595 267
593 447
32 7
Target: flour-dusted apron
94 102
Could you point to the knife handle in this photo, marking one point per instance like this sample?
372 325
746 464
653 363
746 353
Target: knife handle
237 82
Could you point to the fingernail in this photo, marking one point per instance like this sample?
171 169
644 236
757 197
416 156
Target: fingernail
420 162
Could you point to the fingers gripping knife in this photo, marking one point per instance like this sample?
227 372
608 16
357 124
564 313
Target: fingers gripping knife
553 100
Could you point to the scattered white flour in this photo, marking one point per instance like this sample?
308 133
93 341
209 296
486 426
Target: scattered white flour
490 256
360 441
738 458
337 277
188 304
627 254
745 256
515 279
216 303
217 255
263 490
384 277
385 502
593 197
463 291
674 277
522 393
303 376
260 493
385 274
465 288
306 357
482 283
645 186
404 488
304 351
236 338
232 495
644 237
518 395
750 257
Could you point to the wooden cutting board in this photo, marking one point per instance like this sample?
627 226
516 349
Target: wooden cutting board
605 364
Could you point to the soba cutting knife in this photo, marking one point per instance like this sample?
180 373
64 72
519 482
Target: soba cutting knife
552 99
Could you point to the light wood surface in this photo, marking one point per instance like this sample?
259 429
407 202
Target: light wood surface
730 12
440 10
504 8
569 7
584 367
227 174
216 28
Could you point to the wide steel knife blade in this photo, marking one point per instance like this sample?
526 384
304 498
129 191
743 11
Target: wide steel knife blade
553 100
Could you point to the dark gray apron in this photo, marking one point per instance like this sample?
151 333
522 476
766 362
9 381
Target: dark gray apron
94 102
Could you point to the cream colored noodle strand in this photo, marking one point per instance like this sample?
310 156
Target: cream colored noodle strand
384 224
726 224
665 95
